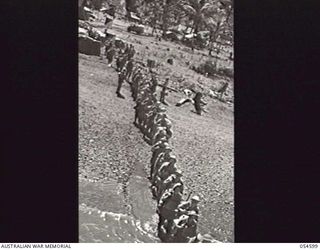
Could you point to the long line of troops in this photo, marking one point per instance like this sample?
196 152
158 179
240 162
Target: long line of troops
128 67
178 218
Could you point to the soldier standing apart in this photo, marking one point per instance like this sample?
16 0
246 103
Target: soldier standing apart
121 79
198 103
222 90
164 92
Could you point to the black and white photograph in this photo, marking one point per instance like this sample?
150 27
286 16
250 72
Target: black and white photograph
159 121
156 133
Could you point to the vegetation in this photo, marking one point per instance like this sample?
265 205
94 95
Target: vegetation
211 20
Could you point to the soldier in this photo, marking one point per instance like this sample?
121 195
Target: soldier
160 133
142 87
110 55
129 68
222 90
154 82
167 206
131 51
191 205
188 98
127 49
136 69
159 121
138 108
151 123
108 46
121 79
166 173
136 78
157 150
198 103
121 62
144 103
188 230
151 110
178 225
164 161
167 181
148 108
163 121
162 232
164 92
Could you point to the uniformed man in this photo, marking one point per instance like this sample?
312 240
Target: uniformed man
151 123
191 205
198 103
164 161
144 104
110 55
167 206
162 232
127 49
160 133
164 92
163 177
148 108
222 90
163 121
188 98
188 231
167 181
160 121
129 67
108 46
157 151
131 51
121 62
154 82
121 79
138 108
174 233
136 78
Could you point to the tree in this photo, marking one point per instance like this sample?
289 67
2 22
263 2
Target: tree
198 11
131 5
220 25
159 13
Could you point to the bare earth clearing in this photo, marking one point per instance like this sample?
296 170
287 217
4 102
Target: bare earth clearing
115 199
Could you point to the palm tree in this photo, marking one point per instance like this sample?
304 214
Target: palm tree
198 11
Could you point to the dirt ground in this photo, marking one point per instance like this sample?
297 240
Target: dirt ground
113 158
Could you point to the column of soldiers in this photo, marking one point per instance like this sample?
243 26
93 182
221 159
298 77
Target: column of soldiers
177 218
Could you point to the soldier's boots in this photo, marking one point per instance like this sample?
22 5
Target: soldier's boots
120 95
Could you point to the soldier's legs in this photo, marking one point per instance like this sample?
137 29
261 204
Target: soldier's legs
221 95
119 86
135 122
198 108
110 59
119 89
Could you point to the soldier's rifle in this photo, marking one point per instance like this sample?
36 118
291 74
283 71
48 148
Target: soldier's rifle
169 88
